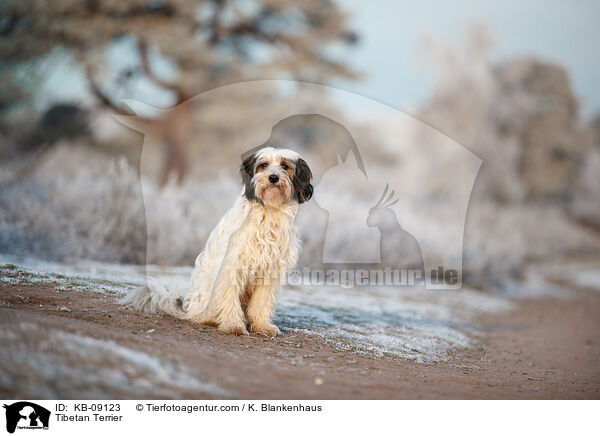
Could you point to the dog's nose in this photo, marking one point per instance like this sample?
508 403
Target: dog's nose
273 178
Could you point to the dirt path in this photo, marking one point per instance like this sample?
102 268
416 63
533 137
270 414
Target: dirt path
548 348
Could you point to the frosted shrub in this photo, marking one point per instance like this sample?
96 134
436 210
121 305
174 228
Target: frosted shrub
82 204
77 204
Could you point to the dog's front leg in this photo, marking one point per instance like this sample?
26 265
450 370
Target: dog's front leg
261 307
229 313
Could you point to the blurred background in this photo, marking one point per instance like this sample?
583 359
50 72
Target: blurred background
514 83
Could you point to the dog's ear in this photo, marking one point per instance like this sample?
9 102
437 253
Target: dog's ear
302 178
247 172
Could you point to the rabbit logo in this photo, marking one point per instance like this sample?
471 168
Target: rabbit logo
398 247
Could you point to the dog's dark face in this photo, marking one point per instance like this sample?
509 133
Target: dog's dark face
275 177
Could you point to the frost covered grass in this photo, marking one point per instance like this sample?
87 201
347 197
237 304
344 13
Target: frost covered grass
409 323
48 363
66 278
86 275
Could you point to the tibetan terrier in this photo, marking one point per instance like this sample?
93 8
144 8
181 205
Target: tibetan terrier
236 277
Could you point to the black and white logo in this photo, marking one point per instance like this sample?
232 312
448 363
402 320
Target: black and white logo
26 415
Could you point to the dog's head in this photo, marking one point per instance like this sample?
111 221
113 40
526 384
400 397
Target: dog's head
275 177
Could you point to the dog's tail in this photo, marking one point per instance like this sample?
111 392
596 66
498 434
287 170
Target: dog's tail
154 299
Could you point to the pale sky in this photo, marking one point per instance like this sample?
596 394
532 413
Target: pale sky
566 32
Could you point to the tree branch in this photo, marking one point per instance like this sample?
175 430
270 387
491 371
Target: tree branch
101 95
181 95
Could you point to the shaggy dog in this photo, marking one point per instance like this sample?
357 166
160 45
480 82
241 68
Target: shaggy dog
236 277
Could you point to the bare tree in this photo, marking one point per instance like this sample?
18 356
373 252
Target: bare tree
208 42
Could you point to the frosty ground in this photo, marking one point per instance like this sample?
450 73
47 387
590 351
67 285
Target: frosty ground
66 337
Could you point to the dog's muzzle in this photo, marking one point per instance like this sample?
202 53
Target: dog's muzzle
273 178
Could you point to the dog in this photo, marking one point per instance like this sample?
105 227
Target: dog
237 276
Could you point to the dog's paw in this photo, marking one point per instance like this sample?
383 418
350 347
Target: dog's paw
234 330
269 330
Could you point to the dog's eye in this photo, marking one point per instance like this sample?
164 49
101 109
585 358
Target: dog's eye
262 166
284 166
